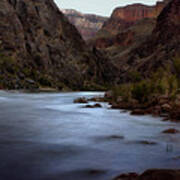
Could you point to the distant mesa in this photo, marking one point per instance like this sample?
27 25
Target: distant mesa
87 24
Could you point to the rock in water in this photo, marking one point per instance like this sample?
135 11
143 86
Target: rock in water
171 131
81 100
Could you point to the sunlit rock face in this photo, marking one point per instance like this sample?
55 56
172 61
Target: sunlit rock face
146 45
87 24
124 17
126 23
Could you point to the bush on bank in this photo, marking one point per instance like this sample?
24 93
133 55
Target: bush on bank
161 82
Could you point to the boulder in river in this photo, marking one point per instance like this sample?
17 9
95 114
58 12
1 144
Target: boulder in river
94 106
82 100
128 176
171 131
146 142
166 107
109 94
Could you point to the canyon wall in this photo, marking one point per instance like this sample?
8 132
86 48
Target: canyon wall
87 24
39 47
124 17
159 50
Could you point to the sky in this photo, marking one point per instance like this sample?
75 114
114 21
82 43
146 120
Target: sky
100 7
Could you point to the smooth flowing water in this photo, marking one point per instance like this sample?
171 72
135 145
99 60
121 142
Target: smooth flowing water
47 136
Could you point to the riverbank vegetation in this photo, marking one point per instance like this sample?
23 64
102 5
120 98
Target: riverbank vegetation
158 95
15 76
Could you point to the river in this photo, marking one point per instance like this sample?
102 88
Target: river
46 136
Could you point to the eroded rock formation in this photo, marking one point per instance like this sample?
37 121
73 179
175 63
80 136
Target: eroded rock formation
38 46
159 49
124 17
87 24
121 22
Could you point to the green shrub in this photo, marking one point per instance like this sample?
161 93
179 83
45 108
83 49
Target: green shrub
172 84
123 90
45 81
159 83
7 63
26 71
176 63
134 76
141 91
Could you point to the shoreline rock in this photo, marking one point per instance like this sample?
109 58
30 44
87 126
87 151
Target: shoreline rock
160 106
152 174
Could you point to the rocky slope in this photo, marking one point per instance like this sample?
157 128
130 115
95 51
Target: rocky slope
149 71
87 24
128 38
159 50
122 22
39 47
145 46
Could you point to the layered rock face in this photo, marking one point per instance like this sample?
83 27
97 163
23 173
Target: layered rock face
123 20
127 38
38 46
87 24
125 17
160 48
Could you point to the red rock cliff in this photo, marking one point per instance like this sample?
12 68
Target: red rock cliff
159 49
124 17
